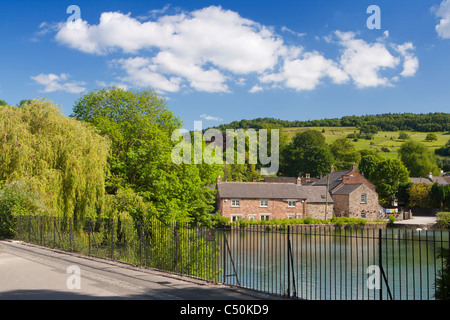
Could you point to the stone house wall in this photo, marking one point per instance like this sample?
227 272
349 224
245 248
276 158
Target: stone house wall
350 205
317 211
251 208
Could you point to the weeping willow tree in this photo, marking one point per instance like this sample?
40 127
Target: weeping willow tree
62 159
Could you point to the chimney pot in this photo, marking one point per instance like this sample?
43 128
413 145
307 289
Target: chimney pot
219 179
299 181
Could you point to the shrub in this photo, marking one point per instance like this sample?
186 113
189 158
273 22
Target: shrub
16 199
443 219
442 284
391 218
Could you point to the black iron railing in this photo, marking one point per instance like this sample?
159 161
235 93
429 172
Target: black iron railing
317 262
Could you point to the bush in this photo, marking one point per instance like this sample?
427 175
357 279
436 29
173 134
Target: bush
443 219
392 219
15 200
442 284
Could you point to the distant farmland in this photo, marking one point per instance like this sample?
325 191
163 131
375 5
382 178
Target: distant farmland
383 140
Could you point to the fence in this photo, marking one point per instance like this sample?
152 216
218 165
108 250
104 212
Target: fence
299 261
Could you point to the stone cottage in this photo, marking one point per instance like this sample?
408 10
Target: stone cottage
353 195
267 201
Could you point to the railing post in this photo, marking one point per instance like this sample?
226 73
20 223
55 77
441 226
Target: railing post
41 232
140 241
112 238
380 248
89 236
288 263
29 229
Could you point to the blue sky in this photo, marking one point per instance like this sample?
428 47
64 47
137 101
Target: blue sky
220 61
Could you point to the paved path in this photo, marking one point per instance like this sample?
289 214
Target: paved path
32 272
419 221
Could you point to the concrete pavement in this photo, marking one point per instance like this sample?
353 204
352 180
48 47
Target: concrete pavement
33 272
417 221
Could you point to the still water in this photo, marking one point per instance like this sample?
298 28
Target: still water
323 264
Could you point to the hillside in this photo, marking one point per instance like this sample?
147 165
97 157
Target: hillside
381 140
388 127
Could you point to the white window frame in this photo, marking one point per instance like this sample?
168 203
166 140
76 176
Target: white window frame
235 203
364 196
252 217
291 216
268 215
264 203
235 217
292 206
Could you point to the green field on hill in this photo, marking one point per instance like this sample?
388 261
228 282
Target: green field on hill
383 140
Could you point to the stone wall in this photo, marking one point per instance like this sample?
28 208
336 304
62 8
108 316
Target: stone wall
317 211
371 208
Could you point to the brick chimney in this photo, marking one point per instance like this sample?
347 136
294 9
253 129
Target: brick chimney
254 179
332 169
354 167
219 179
299 181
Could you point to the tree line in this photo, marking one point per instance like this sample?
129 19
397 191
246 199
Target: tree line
430 122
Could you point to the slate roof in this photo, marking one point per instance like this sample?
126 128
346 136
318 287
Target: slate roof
439 180
262 190
335 179
347 188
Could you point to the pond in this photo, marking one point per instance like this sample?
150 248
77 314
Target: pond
322 264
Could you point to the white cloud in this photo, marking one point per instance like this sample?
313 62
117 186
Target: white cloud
443 12
363 61
256 88
207 117
410 63
298 34
306 73
211 48
53 82
199 46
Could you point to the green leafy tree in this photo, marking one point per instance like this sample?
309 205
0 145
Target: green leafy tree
420 195
418 159
317 160
140 127
62 160
368 165
307 153
431 137
15 200
387 177
344 153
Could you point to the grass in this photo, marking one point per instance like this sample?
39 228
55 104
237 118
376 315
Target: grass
383 139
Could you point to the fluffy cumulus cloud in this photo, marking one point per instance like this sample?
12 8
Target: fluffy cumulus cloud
53 82
211 48
306 72
443 12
